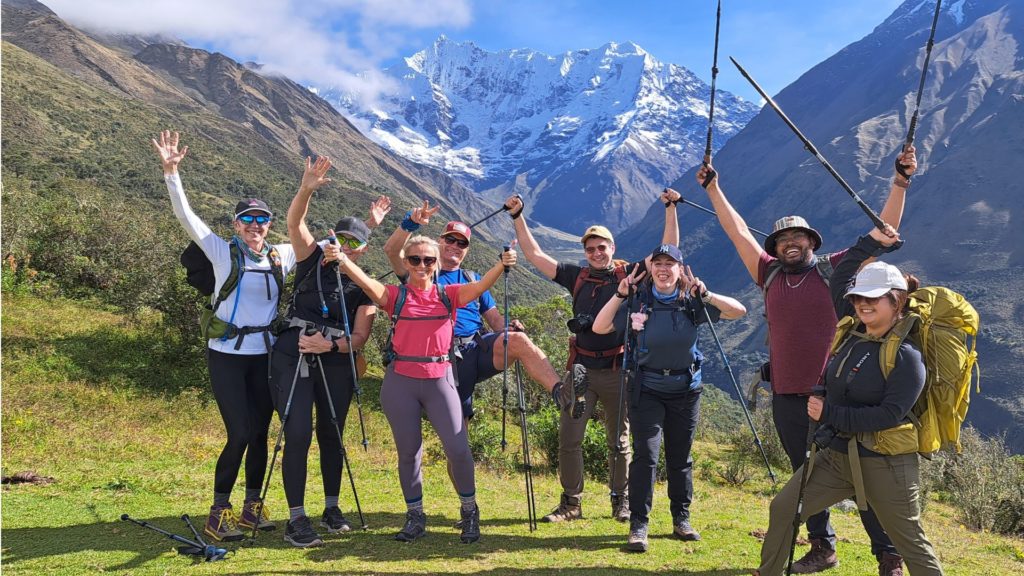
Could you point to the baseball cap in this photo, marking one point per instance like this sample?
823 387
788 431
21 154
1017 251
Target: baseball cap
668 250
252 205
353 227
598 231
790 223
456 227
876 279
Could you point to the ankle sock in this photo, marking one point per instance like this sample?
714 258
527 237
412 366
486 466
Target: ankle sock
221 499
416 504
296 513
468 502
252 493
330 502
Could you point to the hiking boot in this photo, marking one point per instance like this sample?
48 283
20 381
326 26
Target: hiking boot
681 529
470 525
415 526
568 509
890 565
620 508
335 521
300 533
637 541
572 399
819 557
248 519
222 524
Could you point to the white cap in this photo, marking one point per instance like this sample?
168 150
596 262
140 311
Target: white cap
876 279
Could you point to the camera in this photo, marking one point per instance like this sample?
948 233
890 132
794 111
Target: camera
580 323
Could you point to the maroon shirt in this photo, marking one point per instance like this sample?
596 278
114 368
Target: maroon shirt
801 324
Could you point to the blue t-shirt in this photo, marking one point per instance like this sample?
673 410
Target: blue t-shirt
469 320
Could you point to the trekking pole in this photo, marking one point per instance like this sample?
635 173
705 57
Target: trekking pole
713 213
531 503
924 73
805 473
210 553
491 215
714 76
341 441
351 352
612 492
739 395
191 548
277 447
875 219
504 371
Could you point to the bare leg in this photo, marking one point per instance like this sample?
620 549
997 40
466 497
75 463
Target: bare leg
521 348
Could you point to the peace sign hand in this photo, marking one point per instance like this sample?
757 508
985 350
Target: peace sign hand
167 149
422 214
692 284
627 284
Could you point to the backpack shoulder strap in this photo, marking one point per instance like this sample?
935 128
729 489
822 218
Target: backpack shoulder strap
277 269
580 279
234 276
443 295
773 270
823 265
893 340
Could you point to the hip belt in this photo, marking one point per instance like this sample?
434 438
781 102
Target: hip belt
292 322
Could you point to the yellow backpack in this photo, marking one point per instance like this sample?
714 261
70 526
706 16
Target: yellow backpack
944 326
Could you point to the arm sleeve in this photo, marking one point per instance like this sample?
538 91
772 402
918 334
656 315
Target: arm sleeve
566 274
846 271
902 388
215 248
389 306
486 301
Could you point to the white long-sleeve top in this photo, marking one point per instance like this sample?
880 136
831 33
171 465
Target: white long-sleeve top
254 309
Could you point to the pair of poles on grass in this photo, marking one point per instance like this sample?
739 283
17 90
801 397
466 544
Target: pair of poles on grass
197 547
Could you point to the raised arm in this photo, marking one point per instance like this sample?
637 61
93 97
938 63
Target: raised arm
604 322
671 234
869 246
313 177
547 265
167 149
892 212
733 224
379 208
473 290
377 292
411 223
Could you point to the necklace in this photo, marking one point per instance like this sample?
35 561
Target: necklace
802 278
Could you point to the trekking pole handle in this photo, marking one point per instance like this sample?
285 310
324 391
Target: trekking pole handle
508 247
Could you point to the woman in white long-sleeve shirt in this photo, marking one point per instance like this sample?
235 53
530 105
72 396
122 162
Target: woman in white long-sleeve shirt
238 358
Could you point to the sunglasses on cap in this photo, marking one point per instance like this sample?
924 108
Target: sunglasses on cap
460 242
425 260
352 243
250 218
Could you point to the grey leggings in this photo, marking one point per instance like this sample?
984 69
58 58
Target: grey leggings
403 399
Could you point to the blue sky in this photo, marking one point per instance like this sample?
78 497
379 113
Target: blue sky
333 41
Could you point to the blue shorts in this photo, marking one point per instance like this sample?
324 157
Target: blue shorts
477 365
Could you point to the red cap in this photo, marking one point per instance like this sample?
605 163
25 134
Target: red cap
456 227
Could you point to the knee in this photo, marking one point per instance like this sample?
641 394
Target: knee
519 343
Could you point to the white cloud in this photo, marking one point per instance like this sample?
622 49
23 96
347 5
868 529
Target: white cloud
326 42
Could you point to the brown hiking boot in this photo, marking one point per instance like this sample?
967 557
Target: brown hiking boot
568 509
620 508
818 558
890 565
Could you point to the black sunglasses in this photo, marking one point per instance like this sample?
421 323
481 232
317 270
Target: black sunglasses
426 260
457 241
250 218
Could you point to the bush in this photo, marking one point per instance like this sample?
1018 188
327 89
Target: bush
544 429
741 440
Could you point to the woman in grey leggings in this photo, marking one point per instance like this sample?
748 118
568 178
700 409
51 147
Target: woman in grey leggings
419 376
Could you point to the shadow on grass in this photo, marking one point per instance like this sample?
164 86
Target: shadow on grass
375 545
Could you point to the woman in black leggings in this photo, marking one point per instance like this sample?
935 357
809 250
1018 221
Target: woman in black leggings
238 360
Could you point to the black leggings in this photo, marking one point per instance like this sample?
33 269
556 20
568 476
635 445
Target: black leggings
240 387
298 431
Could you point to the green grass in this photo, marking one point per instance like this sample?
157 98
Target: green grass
91 401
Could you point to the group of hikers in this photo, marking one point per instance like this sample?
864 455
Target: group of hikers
439 349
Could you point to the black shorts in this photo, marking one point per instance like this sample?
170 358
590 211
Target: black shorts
477 364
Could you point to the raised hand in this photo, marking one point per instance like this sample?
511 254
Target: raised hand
422 214
167 149
906 162
691 284
706 175
514 205
379 208
315 174
332 252
670 196
508 258
627 284
886 237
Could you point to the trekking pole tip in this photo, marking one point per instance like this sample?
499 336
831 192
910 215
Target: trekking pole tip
124 517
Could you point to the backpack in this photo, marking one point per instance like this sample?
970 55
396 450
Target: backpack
389 350
199 274
619 272
944 326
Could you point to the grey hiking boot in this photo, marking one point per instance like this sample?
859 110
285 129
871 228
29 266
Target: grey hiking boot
681 529
819 557
620 508
890 565
300 533
335 521
568 509
415 526
222 524
572 399
637 541
470 525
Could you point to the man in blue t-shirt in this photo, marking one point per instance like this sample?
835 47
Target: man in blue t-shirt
482 351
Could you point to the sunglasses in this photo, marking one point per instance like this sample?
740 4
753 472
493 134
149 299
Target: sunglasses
250 218
352 243
598 248
449 240
426 260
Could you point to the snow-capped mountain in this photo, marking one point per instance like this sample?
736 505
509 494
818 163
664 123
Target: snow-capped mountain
588 136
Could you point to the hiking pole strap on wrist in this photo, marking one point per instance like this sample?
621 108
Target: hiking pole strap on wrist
711 175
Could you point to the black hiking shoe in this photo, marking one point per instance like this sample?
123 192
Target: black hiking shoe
470 525
681 529
637 541
335 521
300 533
574 399
415 526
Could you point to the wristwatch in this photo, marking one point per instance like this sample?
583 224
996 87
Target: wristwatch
334 345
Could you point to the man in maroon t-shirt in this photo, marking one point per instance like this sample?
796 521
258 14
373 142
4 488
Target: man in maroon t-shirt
801 324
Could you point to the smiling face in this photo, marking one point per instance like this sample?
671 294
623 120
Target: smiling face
420 274
599 252
877 314
794 248
452 253
353 254
665 273
254 233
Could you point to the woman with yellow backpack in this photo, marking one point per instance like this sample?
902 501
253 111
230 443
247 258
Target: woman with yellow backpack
866 441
